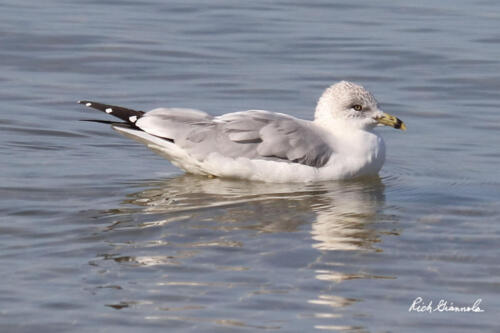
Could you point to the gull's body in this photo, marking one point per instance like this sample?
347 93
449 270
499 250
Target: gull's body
259 145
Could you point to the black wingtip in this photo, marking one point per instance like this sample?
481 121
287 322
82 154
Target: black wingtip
128 115
109 122
90 104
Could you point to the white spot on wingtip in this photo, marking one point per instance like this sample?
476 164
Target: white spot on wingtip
132 119
88 104
109 110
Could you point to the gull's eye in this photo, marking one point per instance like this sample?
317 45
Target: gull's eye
357 107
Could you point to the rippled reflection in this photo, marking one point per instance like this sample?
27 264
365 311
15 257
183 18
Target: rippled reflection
227 229
341 208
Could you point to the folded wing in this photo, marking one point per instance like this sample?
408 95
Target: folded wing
251 134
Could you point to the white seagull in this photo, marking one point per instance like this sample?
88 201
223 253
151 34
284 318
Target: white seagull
265 146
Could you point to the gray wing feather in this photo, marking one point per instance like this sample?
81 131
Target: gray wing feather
173 123
292 139
251 134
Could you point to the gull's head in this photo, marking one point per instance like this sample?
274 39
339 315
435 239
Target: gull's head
348 104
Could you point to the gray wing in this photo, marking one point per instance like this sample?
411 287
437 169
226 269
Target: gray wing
251 134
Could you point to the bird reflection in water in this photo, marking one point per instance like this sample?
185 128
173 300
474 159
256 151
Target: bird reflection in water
190 214
338 210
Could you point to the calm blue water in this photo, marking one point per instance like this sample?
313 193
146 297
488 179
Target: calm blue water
98 234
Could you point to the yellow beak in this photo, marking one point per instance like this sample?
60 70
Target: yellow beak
389 120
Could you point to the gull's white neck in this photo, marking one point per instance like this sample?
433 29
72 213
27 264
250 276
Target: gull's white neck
359 148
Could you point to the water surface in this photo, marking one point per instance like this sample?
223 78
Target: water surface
98 234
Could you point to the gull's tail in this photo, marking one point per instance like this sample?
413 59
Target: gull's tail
128 115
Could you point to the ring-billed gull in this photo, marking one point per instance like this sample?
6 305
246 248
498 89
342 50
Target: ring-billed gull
260 145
